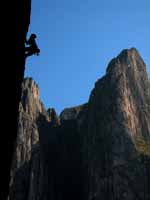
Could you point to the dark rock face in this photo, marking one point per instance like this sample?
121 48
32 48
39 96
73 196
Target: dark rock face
99 150
19 21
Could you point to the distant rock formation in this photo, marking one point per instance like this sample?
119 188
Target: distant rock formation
27 160
118 129
98 150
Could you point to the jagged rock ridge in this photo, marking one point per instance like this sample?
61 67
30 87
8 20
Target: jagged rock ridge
99 150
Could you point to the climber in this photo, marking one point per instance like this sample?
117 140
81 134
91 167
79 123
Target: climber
33 48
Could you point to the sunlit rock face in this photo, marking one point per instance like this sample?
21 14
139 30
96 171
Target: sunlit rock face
118 129
99 150
27 165
134 91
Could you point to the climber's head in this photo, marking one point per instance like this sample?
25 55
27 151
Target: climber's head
33 35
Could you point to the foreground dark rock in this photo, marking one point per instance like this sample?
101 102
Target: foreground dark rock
99 150
14 37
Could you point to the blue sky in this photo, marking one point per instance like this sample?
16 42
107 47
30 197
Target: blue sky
77 39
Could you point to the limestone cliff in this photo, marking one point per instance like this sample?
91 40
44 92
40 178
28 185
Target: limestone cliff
27 165
118 131
98 150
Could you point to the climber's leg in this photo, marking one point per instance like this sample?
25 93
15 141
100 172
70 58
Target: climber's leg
27 49
29 54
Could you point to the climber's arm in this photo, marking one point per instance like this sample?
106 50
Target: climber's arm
26 41
38 52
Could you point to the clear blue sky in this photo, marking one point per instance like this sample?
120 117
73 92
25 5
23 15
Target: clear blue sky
77 39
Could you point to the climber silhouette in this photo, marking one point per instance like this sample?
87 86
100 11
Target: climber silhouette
33 48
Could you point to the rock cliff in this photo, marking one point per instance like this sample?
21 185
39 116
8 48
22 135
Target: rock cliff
118 129
18 16
98 150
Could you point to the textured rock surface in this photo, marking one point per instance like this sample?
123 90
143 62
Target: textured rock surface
99 150
27 166
119 114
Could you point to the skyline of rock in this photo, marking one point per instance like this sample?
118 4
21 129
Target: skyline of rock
98 150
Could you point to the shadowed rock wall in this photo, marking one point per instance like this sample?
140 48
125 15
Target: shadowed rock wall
98 150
